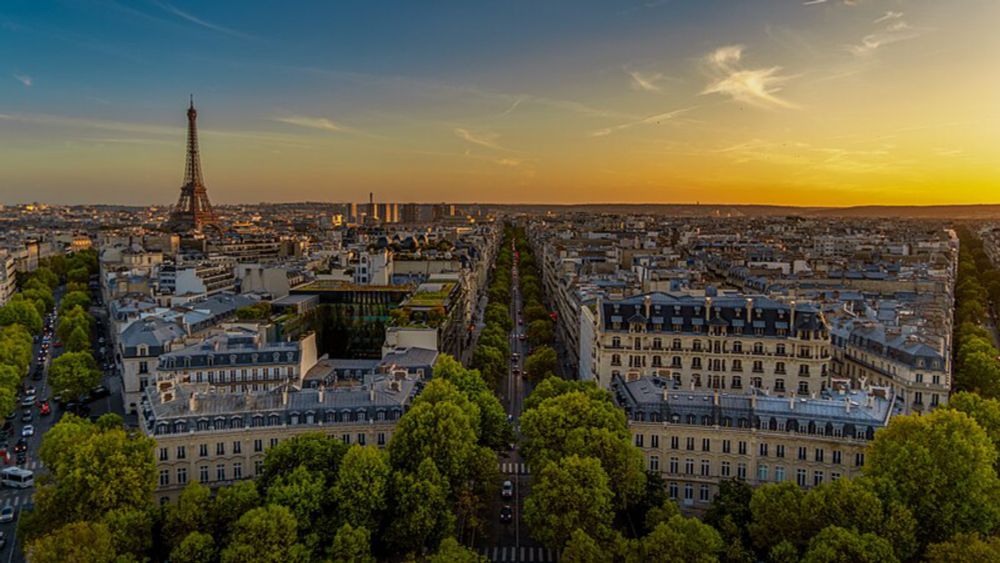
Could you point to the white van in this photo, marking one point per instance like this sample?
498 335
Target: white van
17 478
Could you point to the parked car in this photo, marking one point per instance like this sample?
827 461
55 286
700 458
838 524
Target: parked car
28 401
508 489
27 431
99 391
3 540
7 514
26 416
506 514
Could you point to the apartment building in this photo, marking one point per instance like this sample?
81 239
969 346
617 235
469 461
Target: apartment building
8 276
219 438
731 343
696 438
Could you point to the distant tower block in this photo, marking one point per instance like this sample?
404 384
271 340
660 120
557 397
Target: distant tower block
193 211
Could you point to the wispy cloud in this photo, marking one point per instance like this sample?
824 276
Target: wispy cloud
171 9
484 139
321 123
650 120
517 101
24 79
644 82
890 15
844 2
754 86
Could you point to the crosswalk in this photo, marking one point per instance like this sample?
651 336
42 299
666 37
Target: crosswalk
520 554
17 499
511 468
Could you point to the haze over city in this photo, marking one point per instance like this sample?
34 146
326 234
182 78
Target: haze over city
829 103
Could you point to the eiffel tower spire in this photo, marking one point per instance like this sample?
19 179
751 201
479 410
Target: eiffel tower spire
193 209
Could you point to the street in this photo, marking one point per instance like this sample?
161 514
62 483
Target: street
511 541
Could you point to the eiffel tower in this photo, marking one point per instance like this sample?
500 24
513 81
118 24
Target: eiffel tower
193 211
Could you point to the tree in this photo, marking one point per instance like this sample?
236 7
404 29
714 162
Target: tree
92 470
682 539
941 466
541 363
554 386
964 548
450 551
540 332
776 510
569 494
847 503
546 428
535 313
196 547
838 545
362 487
730 514
79 275
302 491
313 450
191 513
79 340
231 503
74 374
23 313
493 430
986 413
77 542
581 548
265 535
619 458
421 516
131 531
351 545
72 300
68 321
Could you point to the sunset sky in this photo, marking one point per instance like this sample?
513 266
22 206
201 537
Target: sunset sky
806 102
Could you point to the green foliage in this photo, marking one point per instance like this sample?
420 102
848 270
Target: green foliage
570 494
265 535
302 491
74 299
986 413
421 518
362 487
682 539
777 516
540 332
941 467
493 430
541 363
351 545
257 311
191 513
838 545
69 321
535 313
196 547
581 548
314 451
78 341
21 312
76 542
450 551
964 548
74 374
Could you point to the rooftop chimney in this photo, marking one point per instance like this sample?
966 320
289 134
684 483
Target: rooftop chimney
193 402
322 392
284 395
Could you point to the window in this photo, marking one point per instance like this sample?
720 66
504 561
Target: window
741 471
779 368
673 465
819 454
779 385
859 459
237 471
703 494
706 444
220 448
779 473
779 450
675 442
762 473
164 477
237 447
834 475
934 399
346 438
638 440
673 490
163 454
706 468
758 366
203 474
181 452
258 445
727 446
724 469
258 466
817 478
220 472
763 449
654 463
381 438
361 439
654 441
690 444
800 477
688 492
743 448
836 456
689 466
802 453
182 475
803 387
274 442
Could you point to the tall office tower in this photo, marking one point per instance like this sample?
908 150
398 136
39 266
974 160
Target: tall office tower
193 211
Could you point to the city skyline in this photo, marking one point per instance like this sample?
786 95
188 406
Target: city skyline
817 103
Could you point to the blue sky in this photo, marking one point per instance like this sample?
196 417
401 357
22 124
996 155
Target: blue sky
787 102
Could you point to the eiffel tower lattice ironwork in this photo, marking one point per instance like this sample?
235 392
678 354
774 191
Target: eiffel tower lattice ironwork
193 211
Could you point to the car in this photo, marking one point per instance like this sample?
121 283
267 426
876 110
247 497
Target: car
44 409
22 458
21 446
507 491
515 371
28 401
99 391
8 428
37 375
510 418
27 431
522 337
30 390
3 540
26 416
506 514
7 514
57 344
